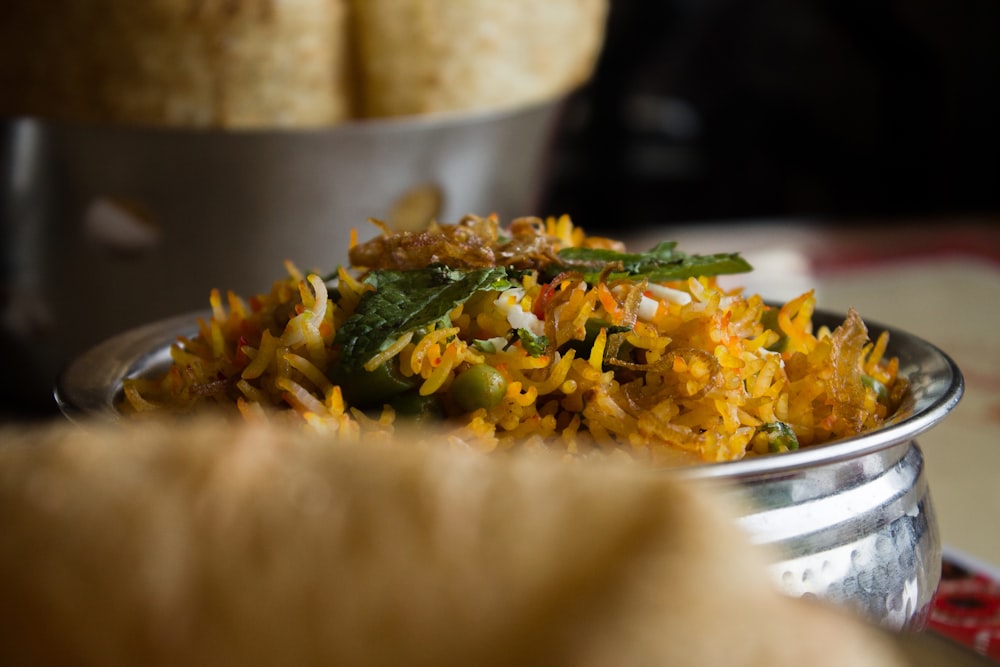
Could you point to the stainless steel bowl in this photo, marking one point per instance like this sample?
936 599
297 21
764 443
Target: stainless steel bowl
850 521
105 228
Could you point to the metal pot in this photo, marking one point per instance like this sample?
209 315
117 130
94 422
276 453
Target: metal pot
850 521
106 228
861 533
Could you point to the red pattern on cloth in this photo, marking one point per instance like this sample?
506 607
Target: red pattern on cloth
966 609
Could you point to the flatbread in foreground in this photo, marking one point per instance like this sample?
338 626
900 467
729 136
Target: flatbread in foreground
203 543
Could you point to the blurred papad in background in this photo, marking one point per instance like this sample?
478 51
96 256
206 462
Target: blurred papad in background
177 62
293 63
422 56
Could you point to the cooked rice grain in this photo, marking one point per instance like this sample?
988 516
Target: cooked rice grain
695 376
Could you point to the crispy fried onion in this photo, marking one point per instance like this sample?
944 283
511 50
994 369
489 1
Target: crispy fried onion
474 242
672 384
629 295
562 323
849 345
467 245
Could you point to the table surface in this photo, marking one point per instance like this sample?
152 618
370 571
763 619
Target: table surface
936 279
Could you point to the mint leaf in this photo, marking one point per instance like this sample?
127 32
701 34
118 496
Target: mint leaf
662 253
662 263
405 301
486 346
533 344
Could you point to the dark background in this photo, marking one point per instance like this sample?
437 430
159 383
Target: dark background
846 109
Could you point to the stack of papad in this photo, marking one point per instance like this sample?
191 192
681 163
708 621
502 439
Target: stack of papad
208 63
288 63
421 56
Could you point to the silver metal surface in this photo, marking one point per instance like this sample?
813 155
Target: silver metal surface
850 521
861 533
106 228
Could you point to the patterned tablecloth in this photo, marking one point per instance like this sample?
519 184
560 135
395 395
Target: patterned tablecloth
939 280
966 607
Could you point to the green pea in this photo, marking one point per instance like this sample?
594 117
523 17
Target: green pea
420 408
479 386
366 389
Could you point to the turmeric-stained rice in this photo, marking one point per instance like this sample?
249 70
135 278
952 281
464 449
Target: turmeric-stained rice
547 337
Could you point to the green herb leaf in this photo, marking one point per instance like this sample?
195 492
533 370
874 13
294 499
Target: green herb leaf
533 344
405 301
780 437
881 391
486 346
592 330
662 263
770 321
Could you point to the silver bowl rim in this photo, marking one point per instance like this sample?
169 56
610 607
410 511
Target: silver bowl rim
90 386
471 118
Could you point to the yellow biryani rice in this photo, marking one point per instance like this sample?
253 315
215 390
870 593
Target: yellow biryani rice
670 372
